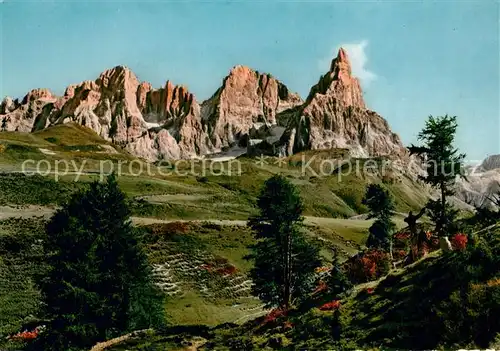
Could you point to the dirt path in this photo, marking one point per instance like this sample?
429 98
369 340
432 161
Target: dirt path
37 211
147 221
169 198
308 220
26 211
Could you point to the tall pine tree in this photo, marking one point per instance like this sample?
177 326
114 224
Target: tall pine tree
381 205
284 261
99 283
443 163
338 282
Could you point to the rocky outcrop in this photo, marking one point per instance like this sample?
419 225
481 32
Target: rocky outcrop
481 187
20 116
249 108
154 123
150 123
246 97
490 163
172 116
335 116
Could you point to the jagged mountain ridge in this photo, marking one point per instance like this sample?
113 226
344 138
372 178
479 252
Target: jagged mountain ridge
335 115
155 123
169 123
481 188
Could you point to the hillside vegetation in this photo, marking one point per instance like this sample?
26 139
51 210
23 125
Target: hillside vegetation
194 225
442 301
202 189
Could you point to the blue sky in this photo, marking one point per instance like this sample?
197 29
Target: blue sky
414 58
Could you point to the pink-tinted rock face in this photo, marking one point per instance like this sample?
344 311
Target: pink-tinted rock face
334 116
38 94
245 98
168 122
151 123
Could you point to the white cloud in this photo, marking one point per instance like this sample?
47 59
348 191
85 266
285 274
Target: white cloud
358 59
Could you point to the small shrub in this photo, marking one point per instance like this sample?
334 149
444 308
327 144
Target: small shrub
25 335
52 140
459 241
321 287
274 315
367 266
330 306
314 323
202 179
229 269
322 269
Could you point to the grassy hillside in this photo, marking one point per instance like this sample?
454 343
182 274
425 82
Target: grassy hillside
444 301
74 155
199 265
66 142
20 261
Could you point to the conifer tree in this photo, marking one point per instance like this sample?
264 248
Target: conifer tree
443 163
381 206
338 282
99 283
284 261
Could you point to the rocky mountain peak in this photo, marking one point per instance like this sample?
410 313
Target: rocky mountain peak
168 122
340 83
38 94
7 105
245 98
341 66
490 163
335 116
119 77
239 70
171 101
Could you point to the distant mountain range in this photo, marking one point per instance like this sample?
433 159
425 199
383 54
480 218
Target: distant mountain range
482 183
248 109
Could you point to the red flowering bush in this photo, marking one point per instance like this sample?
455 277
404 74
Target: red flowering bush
400 254
321 287
402 236
367 266
459 241
330 306
273 315
207 267
227 270
26 335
